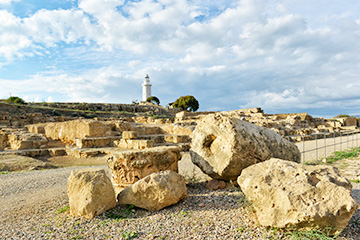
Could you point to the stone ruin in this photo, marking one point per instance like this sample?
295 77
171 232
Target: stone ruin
143 155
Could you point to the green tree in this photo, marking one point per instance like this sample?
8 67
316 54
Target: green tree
16 100
154 100
188 103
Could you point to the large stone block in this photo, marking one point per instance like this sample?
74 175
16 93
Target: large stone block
24 140
287 194
36 128
90 193
126 135
130 166
222 146
96 141
68 131
134 144
156 191
350 121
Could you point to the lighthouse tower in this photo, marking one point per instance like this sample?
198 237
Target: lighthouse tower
146 88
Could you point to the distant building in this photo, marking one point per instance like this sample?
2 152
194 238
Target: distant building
146 88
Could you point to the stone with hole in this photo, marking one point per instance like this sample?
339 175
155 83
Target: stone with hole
223 146
287 194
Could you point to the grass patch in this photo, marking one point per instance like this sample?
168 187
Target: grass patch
120 213
129 234
355 181
5 172
64 209
314 234
339 155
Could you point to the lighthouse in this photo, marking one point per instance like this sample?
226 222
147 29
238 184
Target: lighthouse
146 88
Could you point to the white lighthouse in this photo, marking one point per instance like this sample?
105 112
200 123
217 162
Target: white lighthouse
146 88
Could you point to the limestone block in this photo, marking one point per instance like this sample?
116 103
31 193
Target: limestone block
54 152
24 140
90 193
350 121
36 128
180 116
214 184
146 144
135 144
2 145
177 138
128 167
160 121
96 141
222 146
156 191
81 128
176 129
286 194
129 135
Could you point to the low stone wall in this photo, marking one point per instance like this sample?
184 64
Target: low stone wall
303 116
110 107
96 141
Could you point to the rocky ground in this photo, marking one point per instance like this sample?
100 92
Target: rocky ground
34 205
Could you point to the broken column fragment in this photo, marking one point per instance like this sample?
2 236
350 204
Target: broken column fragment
223 146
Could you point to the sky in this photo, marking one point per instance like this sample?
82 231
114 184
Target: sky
285 56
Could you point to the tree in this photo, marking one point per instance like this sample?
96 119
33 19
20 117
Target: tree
154 100
16 100
188 103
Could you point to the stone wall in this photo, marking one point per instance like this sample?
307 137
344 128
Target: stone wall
110 107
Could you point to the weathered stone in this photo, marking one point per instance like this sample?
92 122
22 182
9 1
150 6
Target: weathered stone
96 141
214 184
286 194
36 128
90 193
68 131
54 152
173 138
350 121
2 145
176 129
222 147
126 135
128 167
134 144
24 140
180 116
155 192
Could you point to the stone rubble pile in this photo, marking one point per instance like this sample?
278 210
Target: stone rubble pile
284 124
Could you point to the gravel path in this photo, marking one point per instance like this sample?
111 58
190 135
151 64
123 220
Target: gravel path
30 204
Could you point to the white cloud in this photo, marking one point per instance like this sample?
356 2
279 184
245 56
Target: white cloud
246 53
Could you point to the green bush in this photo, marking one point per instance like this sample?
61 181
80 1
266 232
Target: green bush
16 100
187 103
342 116
154 100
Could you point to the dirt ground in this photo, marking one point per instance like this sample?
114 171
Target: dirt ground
22 163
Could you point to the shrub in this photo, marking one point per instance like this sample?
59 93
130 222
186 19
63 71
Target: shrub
154 100
16 100
188 103
342 116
